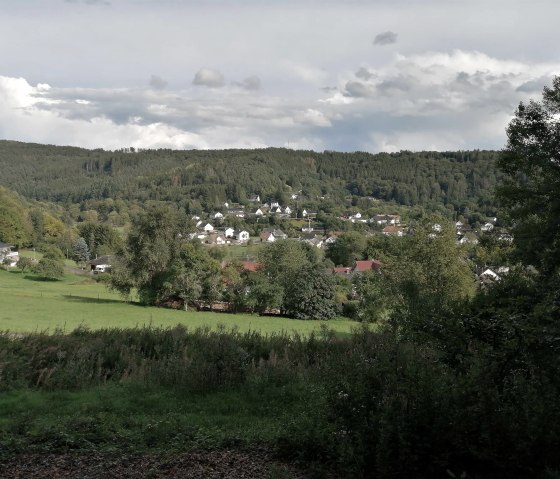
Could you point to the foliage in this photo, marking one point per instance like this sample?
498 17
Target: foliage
25 264
203 180
80 251
49 268
159 265
15 226
531 190
310 295
348 248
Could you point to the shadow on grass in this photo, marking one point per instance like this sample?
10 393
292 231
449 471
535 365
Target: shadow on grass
89 299
41 279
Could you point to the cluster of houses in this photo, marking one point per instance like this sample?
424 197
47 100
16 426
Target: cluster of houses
8 255
208 234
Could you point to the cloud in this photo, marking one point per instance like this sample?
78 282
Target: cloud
433 100
90 2
358 89
364 74
385 38
208 78
157 83
250 83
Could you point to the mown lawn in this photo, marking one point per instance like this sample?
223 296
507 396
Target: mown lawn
28 304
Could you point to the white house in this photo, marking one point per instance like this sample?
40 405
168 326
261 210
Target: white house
288 210
208 227
218 216
229 232
258 212
304 213
241 235
487 227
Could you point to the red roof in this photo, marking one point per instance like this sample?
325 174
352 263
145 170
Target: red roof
367 265
252 266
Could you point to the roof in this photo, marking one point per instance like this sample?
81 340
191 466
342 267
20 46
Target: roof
391 229
342 270
101 260
251 266
367 265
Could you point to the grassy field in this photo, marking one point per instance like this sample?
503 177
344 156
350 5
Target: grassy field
31 305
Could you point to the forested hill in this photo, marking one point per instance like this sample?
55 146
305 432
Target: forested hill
208 178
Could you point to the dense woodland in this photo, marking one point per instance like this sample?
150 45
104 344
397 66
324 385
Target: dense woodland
451 182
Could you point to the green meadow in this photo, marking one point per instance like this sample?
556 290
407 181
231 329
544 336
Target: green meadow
28 304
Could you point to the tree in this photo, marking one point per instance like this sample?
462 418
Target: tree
348 248
428 280
80 252
160 265
24 264
311 294
531 190
50 268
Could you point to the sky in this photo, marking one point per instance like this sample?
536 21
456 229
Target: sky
345 75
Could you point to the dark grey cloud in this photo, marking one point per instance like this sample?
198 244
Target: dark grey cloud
250 83
358 89
208 78
533 86
364 74
397 84
385 38
157 83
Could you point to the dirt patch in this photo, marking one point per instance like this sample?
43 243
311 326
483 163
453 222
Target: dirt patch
207 465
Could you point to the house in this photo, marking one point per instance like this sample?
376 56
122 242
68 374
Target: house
277 209
217 238
468 238
506 237
102 264
304 213
342 271
7 255
228 232
366 265
359 267
330 240
218 216
208 228
255 199
489 275
274 204
270 235
316 241
258 212
280 234
387 219
241 235
237 212
392 230
288 210
251 266
267 237
487 227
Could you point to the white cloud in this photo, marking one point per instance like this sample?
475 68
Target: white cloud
433 100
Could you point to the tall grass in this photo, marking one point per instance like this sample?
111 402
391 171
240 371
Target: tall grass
370 405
